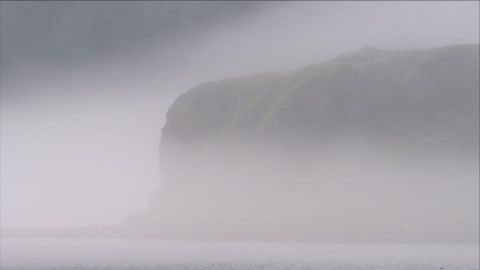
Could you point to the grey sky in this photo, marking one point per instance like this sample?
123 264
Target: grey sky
71 33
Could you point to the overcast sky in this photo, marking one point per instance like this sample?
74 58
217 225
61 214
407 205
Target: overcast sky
85 85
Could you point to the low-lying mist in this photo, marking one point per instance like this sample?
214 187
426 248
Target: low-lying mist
343 191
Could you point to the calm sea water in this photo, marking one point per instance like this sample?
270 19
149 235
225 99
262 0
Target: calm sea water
92 254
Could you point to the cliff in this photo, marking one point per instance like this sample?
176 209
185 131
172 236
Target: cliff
375 91
374 144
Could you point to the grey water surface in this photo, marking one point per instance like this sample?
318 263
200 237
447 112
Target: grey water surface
149 254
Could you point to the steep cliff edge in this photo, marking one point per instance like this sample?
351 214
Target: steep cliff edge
374 144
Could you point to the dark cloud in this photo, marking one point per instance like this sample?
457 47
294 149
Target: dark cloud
57 33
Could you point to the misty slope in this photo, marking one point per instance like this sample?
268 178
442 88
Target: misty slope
419 94
373 145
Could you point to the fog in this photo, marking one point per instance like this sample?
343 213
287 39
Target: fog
85 88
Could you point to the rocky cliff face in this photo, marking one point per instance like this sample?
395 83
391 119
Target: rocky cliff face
384 94
373 144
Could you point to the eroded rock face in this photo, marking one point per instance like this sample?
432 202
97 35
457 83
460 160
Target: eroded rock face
374 144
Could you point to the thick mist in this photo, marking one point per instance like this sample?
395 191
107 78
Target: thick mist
84 98
353 190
